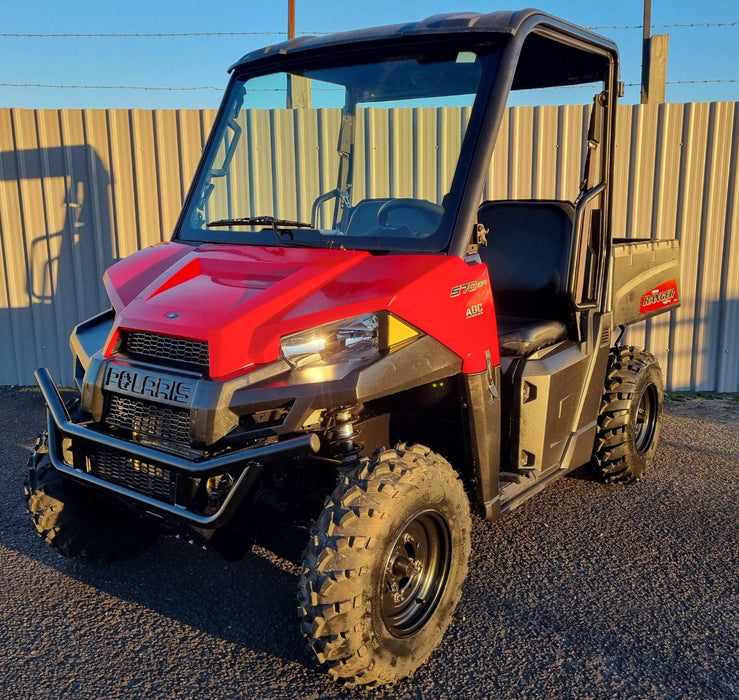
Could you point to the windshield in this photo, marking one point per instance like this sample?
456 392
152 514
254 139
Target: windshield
355 156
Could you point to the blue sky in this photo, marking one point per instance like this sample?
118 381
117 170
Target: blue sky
695 53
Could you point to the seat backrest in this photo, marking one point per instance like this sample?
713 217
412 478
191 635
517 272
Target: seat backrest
528 254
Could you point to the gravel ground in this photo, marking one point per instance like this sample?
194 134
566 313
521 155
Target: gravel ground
585 591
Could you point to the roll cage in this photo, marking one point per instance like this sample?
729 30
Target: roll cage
534 50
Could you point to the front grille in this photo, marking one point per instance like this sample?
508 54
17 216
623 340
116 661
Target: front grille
165 347
134 474
154 420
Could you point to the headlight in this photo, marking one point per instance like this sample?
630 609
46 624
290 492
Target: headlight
350 339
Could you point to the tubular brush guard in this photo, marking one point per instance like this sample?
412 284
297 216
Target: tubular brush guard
60 426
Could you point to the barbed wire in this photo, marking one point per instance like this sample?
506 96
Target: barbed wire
111 87
691 25
155 88
144 35
699 82
110 35
692 82
168 35
152 87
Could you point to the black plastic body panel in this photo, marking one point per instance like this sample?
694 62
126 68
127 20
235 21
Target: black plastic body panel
218 406
247 462
550 409
221 438
482 414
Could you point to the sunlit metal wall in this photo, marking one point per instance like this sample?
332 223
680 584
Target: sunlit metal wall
81 189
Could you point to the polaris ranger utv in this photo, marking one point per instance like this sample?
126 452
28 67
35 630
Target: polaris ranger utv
353 338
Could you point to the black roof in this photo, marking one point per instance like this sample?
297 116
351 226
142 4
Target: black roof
508 23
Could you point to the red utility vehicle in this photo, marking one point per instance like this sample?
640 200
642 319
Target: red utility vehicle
353 338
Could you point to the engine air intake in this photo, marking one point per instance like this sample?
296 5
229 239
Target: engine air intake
134 474
151 419
165 347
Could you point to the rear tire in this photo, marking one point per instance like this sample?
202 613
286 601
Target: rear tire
630 416
73 519
384 567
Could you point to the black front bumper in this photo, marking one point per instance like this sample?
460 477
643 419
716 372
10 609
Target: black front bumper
249 461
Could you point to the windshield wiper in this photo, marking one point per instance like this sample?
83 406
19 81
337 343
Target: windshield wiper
281 228
269 221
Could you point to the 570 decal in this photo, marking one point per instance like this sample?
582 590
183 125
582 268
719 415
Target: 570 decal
467 288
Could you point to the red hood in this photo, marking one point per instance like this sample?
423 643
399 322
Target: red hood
242 299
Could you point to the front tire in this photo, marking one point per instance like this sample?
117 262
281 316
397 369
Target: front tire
74 520
384 567
630 416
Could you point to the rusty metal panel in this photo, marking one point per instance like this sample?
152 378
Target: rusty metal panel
146 182
401 169
452 124
80 189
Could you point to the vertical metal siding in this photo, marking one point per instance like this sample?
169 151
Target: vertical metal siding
80 189
728 355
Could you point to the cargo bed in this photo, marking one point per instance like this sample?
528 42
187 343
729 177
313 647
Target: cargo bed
645 278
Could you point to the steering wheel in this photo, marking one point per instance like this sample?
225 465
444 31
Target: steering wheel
417 215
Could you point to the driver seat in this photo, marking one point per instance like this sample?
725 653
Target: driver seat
528 255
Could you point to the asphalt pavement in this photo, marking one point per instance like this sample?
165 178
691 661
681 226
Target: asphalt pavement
585 591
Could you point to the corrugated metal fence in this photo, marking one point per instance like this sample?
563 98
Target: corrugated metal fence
80 189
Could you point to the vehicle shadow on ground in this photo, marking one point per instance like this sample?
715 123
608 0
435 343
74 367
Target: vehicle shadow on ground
250 603
244 610
538 590
584 473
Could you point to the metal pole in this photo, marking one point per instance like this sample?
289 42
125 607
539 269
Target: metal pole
290 35
647 26
645 53
290 19
298 89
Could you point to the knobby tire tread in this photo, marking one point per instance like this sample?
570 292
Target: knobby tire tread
333 603
616 459
73 521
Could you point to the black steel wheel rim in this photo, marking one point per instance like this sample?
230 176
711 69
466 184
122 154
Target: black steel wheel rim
416 572
646 419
